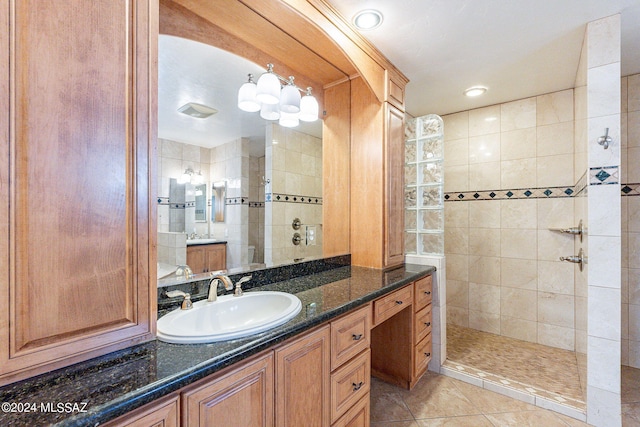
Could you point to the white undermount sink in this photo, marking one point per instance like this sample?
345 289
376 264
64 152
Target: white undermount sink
200 241
228 318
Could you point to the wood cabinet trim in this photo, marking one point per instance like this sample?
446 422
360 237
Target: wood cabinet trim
162 412
349 384
350 335
390 304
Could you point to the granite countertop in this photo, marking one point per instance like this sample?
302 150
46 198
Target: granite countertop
101 389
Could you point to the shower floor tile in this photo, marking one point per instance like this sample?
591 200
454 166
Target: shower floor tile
534 369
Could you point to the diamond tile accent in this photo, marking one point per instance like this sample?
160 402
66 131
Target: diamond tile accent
292 198
568 191
528 193
509 194
602 176
475 196
548 192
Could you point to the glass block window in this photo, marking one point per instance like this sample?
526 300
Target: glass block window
424 185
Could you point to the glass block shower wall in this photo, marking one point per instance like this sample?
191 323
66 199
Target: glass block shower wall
424 185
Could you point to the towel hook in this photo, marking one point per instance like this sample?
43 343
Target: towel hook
605 139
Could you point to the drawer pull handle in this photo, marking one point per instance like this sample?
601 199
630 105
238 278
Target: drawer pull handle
398 302
427 292
357 337
358 386
427 354
427 324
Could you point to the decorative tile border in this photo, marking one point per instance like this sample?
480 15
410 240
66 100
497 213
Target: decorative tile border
630 189
292 198
163 200
604 175
236 201
256 204
519 193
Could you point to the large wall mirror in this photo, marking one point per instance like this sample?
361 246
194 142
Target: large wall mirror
250 177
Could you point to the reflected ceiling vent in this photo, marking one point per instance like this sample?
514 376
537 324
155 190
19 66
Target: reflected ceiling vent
197 110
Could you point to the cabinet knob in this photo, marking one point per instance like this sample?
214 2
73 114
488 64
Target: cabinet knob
398 302
427 354
357 337
427 292
358 386
427 324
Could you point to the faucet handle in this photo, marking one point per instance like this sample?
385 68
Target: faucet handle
186 302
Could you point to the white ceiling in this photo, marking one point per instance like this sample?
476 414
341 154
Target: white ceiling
516 48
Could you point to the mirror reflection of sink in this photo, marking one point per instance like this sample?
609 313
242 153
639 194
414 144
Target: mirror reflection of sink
200 241
228 318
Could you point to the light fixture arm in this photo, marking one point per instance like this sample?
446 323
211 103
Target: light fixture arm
286 81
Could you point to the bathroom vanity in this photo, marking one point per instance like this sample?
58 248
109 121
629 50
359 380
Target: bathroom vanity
316 366
205 257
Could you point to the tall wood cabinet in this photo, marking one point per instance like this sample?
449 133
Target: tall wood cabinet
77 229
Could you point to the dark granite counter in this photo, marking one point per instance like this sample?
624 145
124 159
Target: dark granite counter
101 389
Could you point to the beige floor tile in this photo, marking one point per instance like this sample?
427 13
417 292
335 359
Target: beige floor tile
630 385
631 414
571 422
387 403
471 421
535 418
436 396
489 402
396 424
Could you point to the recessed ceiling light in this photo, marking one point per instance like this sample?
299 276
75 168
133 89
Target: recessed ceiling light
367 19
197 110
475 91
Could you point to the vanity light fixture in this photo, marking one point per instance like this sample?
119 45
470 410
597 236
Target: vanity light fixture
475 91
367 19
191 177
274 102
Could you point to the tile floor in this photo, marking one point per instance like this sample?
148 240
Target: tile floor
551 373
439 400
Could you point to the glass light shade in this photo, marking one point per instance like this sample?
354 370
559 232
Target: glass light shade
247 98
197 179
288 120
268 90
308 108
270 112
185 177
290 99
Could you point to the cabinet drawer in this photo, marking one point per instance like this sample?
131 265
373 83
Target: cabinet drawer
357 416
422 355
349 384
387 306
423 292
422 325
350 335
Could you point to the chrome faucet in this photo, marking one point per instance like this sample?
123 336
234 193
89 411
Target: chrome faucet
215 282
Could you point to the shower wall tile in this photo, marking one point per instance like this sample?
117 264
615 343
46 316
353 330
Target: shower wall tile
555 139
457 293
556 336
521 329
555 170
607 272
556 276
482 241
484 270
598 156
484 213
633 93
556 309
486 322
553 245
456 151
603 34
519 273
556 107
519 173
485 148
601 221
516 303
518 244
483 121
458 316
519 114
456 125
484 176
456 178
518 214
603 302
458 267
602 100
602 373
518 144
484 298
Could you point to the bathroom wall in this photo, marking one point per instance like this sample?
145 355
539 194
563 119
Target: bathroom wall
256 207
230 163
293 165
509 178
630 225
173 158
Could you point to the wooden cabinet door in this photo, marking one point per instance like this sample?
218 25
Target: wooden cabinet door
77 227
394 187
216 256
303 381
240 398
196 259
164 412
